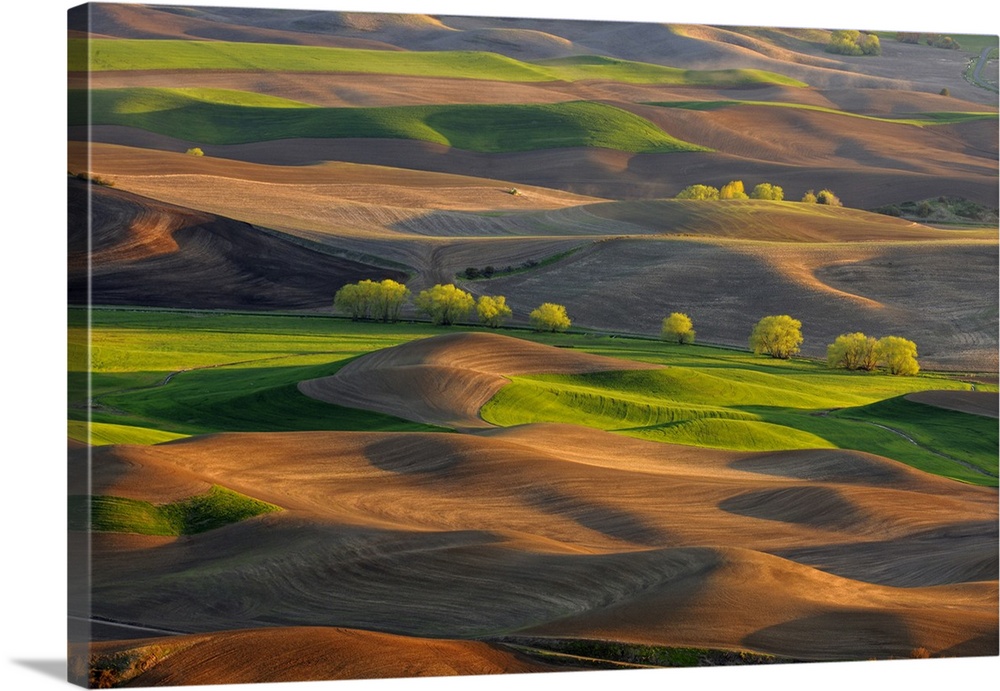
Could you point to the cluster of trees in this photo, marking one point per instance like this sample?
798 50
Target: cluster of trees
473 272
780 336
445 304
732 190
381 301
935 40
765 190
853 42
856 351
823 197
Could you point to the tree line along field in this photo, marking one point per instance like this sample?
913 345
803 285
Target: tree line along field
162 375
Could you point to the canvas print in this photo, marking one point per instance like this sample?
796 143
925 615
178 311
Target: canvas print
414 345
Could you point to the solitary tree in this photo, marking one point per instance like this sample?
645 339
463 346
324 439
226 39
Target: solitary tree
389 298
732 190
493 310
699 192
853 351
766 190
898 355
195 151
677 328
549 317
445 304
778 336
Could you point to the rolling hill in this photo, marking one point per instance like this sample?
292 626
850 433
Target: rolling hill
263 490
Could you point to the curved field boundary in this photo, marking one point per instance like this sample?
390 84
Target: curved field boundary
479 127
983 403
918 119
446 380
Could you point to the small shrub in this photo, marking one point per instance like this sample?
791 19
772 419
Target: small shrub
196 151
809 197
95 179
471 272
945 92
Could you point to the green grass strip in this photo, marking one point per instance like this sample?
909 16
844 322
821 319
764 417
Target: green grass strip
484 128
918 119
103 433
227 372
216 508
968 439
139 54
729 404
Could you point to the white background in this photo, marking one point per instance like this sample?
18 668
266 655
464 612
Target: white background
32 371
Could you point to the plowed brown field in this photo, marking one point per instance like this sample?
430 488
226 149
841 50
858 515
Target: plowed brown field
562 531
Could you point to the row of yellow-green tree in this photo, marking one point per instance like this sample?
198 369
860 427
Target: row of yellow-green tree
445 304
780 336
765 190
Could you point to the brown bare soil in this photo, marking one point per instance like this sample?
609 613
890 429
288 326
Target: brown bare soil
138 21
445 380
154 254
983 403
301 654
566 531
932 293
